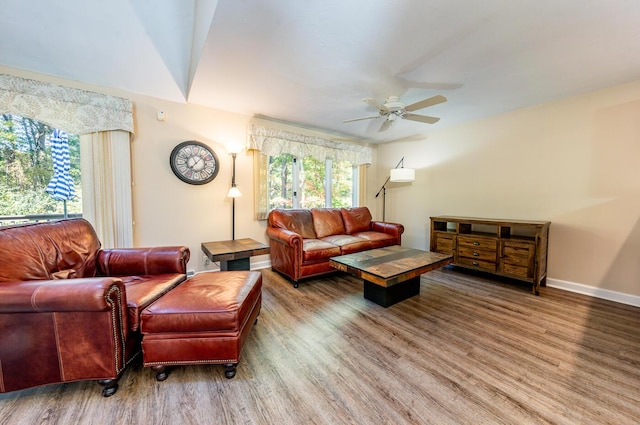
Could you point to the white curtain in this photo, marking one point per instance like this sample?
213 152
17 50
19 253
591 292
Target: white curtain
106 186
105 124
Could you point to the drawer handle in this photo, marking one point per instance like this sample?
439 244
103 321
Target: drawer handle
476 243
475 254
475 263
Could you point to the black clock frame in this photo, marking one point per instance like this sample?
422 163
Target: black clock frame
176 150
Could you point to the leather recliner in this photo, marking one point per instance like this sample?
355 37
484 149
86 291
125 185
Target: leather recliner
69 310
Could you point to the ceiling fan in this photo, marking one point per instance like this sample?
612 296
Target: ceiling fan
393 108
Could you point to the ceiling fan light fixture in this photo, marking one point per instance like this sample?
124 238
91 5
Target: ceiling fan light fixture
402 175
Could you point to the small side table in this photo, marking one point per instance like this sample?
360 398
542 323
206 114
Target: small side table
234 254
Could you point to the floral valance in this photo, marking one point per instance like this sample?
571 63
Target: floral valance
273 142
73 110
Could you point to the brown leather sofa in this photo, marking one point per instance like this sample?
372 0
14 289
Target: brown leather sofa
69 310
302 240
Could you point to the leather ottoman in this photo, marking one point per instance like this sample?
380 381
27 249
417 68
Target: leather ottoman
204 320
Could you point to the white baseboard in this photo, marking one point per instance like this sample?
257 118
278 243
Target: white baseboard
260 265
605 294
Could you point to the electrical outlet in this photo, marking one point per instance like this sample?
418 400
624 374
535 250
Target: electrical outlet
205 260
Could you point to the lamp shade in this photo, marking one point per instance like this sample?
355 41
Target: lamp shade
402 175
234 192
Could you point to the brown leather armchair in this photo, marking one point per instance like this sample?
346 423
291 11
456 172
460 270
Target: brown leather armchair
69 310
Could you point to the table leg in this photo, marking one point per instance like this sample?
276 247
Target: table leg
387 296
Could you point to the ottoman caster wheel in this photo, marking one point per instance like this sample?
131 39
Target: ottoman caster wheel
161 372
109 387
230 370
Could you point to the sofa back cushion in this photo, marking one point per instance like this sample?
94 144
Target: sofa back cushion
299 221
52 250
327 222
357 219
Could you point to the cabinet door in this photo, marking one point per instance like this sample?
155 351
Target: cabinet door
444 243
517 259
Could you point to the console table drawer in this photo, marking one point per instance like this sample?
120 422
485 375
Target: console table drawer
476 242
488 266
477 254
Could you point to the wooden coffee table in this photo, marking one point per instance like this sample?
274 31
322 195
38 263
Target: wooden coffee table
234 254
390 274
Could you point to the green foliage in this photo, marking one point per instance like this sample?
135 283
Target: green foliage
26 167
312 178
341 184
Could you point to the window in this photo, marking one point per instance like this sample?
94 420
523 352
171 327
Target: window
26 169
310 183
293 170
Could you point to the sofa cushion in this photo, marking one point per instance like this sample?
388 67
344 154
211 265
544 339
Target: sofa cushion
377 239
327 222
315 249
357 219
348 243
299 221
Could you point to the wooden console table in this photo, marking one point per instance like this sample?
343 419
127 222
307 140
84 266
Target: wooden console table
511 248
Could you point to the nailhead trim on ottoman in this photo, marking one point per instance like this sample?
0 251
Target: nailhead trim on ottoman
204 320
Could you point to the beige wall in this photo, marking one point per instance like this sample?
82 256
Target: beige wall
168 211
574 162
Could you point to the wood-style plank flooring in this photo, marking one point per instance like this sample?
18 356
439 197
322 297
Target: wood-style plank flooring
469 349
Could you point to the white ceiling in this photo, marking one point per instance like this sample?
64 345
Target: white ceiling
311 62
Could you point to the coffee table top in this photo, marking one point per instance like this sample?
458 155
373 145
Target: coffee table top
233 249
390 265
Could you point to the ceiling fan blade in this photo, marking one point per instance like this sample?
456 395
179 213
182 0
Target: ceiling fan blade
421 118
425 103
385 125
363 118
375 104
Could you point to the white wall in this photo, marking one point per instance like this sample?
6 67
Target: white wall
574 162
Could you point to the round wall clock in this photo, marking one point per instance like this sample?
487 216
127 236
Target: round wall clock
194 162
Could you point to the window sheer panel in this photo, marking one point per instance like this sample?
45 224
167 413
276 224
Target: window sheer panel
260 184
106 158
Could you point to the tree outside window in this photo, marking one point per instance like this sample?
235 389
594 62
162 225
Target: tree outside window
26 167
309 183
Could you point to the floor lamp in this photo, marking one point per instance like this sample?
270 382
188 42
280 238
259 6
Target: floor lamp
233 193
396 175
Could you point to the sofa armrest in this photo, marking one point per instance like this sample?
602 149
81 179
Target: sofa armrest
394 229
83 294
143 261
285 236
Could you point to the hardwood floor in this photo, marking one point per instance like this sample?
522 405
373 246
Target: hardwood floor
468 350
